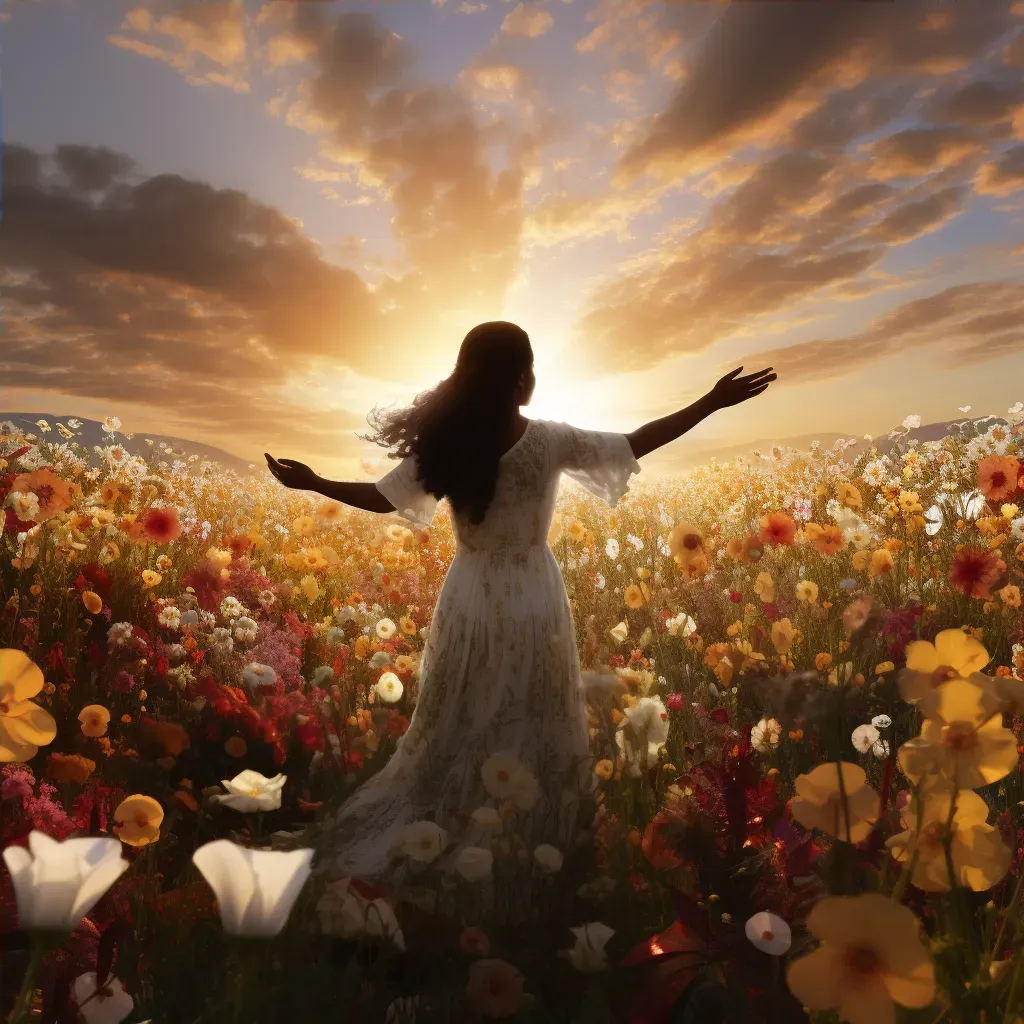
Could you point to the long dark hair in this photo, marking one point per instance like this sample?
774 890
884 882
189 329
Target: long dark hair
456 428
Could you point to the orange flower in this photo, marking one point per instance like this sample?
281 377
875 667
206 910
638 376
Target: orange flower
997 476
686 544
735 549
94 719
54 494
69 768
880 563
975 571
777 528
830 540
137 820
92 601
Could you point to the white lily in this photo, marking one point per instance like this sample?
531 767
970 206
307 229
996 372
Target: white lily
255 889
57 884
588 954
249 791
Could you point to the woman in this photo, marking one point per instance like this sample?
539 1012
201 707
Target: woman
500 708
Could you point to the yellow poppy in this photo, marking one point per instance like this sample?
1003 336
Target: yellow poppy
24 725
94 719
137 820
819 802
953 655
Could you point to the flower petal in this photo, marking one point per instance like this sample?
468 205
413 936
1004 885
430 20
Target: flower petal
922 657
228 870
18 672
817 979
29 723
955 648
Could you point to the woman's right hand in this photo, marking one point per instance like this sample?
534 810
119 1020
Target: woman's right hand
296 475
733 389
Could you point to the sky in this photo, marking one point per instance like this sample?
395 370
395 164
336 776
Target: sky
249 223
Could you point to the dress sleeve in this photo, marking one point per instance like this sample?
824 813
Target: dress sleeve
404 490
602 461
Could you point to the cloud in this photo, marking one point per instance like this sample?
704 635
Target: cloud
917 151
976 103
195 35
164 290
973 322
527 19
912 220
1003 176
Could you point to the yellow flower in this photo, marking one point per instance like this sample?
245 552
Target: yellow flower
807 590
24 725
764 587
94 719
330 511
576 530
861 559
619 632
818 802
881 562
604 769
871 956
686 545
910 502
150 578
980 857
362 646
219 558
954 655
92 601
962 738
310 587
137 820
1010 595
303 526
848 495
783 635
633 596
884 666
407 625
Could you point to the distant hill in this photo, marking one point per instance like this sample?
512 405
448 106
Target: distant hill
91 433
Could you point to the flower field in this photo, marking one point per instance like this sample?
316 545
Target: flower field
804 681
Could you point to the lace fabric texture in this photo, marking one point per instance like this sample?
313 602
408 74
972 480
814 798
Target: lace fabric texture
500 671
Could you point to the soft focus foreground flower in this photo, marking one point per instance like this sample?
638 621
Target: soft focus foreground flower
642 733
57 884
548 858
137 820
588 954
423 841
101 1004
953 655
255 889
346 914
619 632
997 477
769 933
870 958
980 857
249 791
24 725
495 988
94 718
92 601
505 777
474 863
975 571
818 802
962 739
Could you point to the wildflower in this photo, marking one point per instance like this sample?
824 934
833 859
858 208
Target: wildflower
388 687
765 735
255 889
474 940
611 548
642 734
548 858
954 655
633 596
880 562
258 677
997 477
250 791
980 857
347 914
69 768
161 524
871 956
385 628
495 988
778 529
619 632
769 933
818 802
856 613
101 1004
137 820
487 817
474 863
961 738
975 570
24 725
588 954
830 540
150 579
783 635
422 841
92 601
807 591
604 769
864 738
686 544
94 718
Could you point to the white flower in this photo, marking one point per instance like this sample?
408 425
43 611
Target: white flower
231 608
619 632
611 549
881 721
588 954
170 616
108 1006
402 1010
765 734
933 520
548 858
474 863
249 791
864 737
912 422
385 628
487 817
379 659
255 889
245 629
681 625
769 933
388 688
257 676
57 884
346 914
422 841
119 633
881 749
643 731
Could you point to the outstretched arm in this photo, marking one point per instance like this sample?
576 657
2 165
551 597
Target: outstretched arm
730 390
298 476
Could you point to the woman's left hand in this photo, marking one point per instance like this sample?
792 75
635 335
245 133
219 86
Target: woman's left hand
295 475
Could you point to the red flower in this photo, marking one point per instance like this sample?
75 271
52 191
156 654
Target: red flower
208 585
735 596
161 525
975 570
92 577
777 528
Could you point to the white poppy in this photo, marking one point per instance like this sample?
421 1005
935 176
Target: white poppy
864 738
110 1005
765 735
881 721
386 629
388 688
549 858
57 884
249 791
487 817
769 933
422 841
345 914
255 889
588 955
474 863
256 676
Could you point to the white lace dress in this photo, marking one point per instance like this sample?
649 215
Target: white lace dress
500 671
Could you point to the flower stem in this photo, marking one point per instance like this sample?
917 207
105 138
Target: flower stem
22 1011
